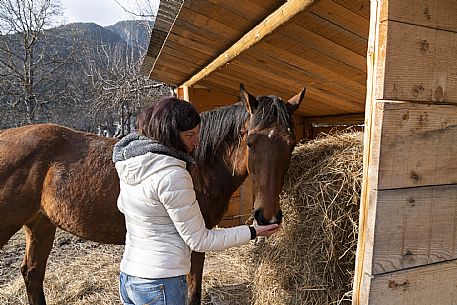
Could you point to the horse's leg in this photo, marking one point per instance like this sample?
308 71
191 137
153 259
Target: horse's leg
39 234
194 278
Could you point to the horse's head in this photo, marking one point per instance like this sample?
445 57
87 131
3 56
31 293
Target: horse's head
269 140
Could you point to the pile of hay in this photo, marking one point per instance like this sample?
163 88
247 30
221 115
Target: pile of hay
311 260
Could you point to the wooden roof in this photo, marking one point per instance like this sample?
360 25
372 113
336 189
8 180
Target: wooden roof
272 47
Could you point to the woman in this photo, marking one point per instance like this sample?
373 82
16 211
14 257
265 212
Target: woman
163 219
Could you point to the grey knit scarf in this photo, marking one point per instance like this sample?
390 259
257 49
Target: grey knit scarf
135 144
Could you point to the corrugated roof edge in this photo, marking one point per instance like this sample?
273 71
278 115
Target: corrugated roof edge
166 16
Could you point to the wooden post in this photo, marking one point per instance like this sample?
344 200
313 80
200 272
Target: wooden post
368 157
179 92
407 250
185 93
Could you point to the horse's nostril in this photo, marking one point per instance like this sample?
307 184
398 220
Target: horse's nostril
278 219
261 220
258 216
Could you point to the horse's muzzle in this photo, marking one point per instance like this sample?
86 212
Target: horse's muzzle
261 220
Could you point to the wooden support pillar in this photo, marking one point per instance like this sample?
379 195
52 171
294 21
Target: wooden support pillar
307 130
407 249
180 92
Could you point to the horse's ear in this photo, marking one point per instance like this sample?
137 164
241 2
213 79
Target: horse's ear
295 101
250 102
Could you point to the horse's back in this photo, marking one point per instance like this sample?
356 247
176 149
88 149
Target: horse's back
66 174
34 143
31 149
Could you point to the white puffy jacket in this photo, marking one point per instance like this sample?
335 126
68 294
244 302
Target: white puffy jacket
163 219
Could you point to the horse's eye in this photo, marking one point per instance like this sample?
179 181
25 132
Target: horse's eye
249 144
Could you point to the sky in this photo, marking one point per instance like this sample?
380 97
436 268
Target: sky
101 12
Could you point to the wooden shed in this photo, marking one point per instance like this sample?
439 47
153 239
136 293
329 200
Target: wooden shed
390 64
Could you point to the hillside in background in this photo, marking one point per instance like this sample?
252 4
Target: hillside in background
83 75
135 35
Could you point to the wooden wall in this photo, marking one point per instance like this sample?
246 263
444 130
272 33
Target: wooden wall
407 250
314 127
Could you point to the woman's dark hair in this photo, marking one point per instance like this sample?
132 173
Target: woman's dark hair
165 119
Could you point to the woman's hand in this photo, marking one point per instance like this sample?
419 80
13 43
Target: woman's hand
266 230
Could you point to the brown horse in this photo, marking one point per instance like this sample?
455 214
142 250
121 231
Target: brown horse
52 176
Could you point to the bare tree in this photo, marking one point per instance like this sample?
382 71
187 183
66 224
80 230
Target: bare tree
141 9
27 64
120 91
44 69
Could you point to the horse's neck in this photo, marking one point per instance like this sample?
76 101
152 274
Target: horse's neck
214 186
215 177
218 181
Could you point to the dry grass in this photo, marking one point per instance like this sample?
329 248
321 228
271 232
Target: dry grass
78 272
310 261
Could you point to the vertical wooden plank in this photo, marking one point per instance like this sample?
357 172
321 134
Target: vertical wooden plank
180 92
370 163
183 92
240 206
308 130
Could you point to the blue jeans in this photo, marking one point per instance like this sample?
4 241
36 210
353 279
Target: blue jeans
140 291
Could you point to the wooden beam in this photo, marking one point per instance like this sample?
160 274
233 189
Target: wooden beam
345 119
279 17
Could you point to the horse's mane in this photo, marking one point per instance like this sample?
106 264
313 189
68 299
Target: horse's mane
221 128
271 110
